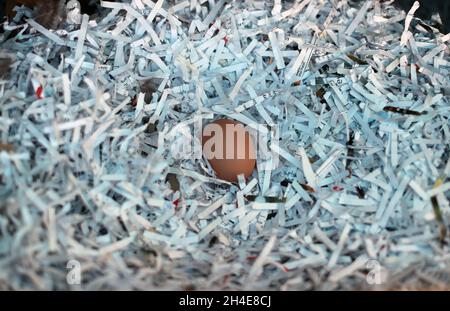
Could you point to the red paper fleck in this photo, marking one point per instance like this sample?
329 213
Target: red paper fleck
226 278
337 188
175 202
39 92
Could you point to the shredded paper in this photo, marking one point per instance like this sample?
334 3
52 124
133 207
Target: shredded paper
94 115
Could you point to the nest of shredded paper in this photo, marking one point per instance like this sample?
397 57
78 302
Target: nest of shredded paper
359 93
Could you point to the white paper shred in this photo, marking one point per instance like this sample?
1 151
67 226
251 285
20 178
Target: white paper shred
351 99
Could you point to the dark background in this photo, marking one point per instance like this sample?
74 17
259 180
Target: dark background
427 8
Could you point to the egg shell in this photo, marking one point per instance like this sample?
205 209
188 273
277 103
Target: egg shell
228 167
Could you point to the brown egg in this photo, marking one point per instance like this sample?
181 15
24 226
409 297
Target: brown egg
228 147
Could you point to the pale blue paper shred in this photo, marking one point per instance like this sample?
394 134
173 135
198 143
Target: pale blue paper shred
84 178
